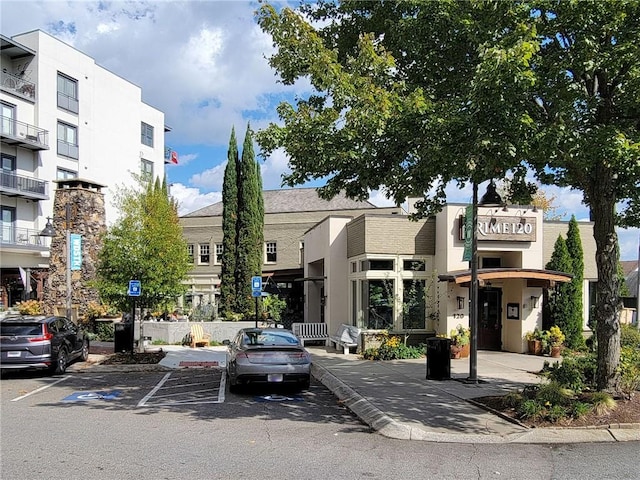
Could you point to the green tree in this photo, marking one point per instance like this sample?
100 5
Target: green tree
250 225
415 95
561 300
229 228
624 288
145 244
573 332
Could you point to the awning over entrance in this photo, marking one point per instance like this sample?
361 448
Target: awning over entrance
310 279
534 277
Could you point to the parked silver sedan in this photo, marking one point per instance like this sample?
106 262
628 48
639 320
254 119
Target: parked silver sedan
267 356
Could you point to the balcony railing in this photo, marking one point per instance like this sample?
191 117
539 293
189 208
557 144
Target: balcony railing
22 237
24 135
15 185
18 86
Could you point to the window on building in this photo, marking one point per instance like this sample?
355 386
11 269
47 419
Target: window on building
146 169
190 252
301 254
377 264
64 174
491 262
67 93
219 250
67 140
354 267
8 119
377 304
272 254
147 135
204 253
413 265
413 304
7 224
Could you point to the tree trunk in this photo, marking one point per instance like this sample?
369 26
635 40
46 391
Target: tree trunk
607 298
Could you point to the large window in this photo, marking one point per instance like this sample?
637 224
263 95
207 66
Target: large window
7 221
377 264
190 252
204 254
8 118
64 174
67 140
8 171
146 134
67 93
413 304
219 250
272 253
377 303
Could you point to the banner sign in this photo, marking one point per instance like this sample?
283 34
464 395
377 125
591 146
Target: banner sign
76 251
468 232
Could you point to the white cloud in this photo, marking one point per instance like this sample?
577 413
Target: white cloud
190 199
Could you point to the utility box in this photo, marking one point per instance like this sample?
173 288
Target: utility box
438 358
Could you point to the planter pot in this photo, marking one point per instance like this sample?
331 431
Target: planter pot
535 347
466 350
556 351
455 351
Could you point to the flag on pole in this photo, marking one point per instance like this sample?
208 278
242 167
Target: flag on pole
23 276
174 157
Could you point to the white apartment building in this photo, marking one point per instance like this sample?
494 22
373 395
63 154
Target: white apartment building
63 116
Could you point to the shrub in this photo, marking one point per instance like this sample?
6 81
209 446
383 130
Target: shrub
531 409
629 336
579 409
105 331
576 372
554 394
555 413
602 402
392 348
29 307
629 369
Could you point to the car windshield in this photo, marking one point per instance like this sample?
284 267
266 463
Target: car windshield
20 329
269 338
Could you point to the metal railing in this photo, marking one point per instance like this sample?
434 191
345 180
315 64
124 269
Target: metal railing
23 132
18 86
20 184
19 236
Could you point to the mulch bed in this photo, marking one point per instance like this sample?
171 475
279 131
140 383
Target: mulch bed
128 358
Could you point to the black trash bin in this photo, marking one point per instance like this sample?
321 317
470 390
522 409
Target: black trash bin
438 358
123 337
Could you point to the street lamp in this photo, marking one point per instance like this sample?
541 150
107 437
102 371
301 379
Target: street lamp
49 231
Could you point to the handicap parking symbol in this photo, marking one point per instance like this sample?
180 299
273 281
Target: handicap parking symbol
278 398
86 396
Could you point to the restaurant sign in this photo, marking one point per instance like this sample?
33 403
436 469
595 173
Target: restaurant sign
502 228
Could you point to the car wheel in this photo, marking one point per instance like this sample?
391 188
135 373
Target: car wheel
305 384
233 384
84 353
61 362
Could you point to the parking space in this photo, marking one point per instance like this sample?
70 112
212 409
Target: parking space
190 386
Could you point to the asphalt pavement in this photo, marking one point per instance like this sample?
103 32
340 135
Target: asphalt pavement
397 400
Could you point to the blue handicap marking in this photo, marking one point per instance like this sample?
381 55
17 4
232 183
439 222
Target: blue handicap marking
86 396
279 398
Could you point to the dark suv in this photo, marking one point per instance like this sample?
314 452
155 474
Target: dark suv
33 341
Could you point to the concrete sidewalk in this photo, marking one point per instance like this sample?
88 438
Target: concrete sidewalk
395 399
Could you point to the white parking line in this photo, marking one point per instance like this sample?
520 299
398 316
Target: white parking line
41 388
154 390
166 399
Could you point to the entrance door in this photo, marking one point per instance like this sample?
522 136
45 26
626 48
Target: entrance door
489 319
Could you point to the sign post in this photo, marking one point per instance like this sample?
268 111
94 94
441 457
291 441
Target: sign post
135 288
256 292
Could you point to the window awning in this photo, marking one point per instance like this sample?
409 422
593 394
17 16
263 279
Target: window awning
534 277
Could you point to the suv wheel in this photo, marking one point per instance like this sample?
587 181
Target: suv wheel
84 353
61 362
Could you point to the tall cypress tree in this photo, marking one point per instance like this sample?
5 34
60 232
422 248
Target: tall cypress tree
228 298
573 334
561 298
250 225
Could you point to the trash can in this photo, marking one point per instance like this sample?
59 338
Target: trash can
123 337
438 358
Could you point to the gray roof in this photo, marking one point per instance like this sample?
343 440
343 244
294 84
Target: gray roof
292 200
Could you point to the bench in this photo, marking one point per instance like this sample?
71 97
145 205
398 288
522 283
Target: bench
199 337
307 332
346 337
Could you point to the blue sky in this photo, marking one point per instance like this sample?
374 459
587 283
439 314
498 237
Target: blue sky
203 63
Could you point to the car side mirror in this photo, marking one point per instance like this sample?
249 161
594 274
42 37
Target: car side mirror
226 342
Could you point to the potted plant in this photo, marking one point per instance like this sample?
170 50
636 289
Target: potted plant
460 337
534 341
556 339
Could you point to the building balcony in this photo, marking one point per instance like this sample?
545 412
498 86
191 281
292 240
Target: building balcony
14 185
14 239
13 132
18 86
